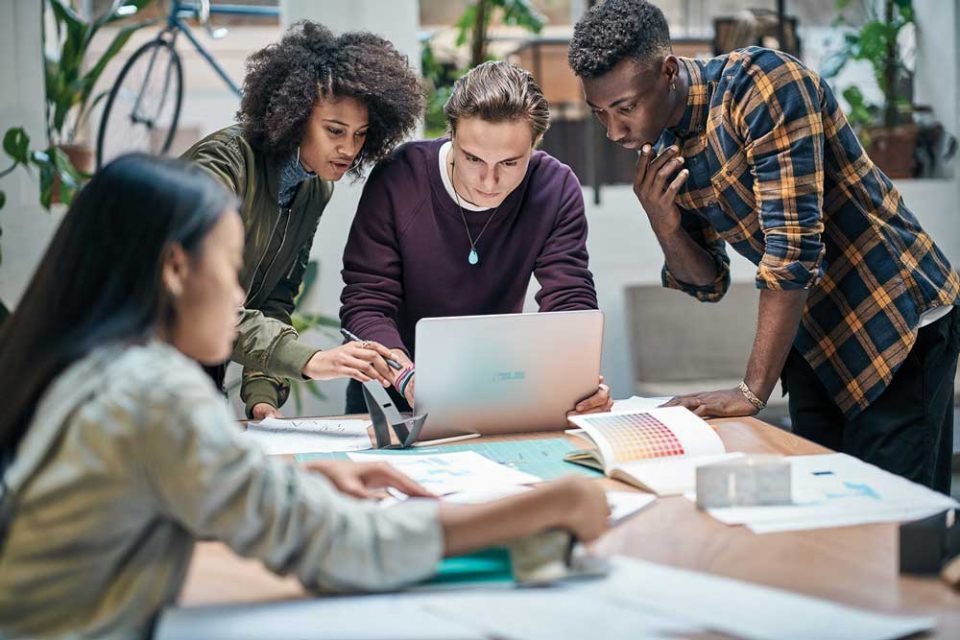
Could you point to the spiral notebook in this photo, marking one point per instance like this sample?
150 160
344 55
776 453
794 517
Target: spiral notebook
657 450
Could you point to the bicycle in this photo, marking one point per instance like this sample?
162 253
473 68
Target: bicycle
143 106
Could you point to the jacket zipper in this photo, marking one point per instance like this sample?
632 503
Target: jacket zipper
283 239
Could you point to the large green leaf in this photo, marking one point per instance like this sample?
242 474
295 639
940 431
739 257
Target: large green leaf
65 167
74 46
833 63
89 81
465 24
521 13
47 173
65 15
62 94
905 7
118 14
16 143
859 113
67 83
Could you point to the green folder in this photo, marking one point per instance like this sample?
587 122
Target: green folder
490 566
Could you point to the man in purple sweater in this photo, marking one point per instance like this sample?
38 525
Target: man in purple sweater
457 227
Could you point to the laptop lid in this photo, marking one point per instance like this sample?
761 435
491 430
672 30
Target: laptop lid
508 373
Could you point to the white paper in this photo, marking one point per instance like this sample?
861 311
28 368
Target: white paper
638 403
555 613
636 600
836 490
309 425
445 473
286 437
742 609
623 504
673 475
346 618
485 495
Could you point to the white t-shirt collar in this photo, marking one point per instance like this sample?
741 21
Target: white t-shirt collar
448 185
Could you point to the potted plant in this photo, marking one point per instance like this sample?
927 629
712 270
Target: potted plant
474 24
887 131
70 81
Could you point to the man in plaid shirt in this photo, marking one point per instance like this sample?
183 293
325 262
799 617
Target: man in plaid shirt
751 149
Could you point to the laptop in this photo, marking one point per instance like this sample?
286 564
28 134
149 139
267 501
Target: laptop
508 373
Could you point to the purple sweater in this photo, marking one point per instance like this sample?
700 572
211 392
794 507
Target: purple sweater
406 257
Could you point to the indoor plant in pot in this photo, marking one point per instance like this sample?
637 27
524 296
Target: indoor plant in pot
70 82
887 131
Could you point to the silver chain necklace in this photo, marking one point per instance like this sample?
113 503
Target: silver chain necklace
472 257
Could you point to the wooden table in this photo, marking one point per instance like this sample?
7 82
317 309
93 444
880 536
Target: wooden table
850 565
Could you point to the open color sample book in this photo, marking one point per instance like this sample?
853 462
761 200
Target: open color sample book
658 450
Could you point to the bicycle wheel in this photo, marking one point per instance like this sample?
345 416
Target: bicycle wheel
144 104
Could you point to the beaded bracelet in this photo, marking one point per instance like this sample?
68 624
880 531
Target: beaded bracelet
751 396
403 379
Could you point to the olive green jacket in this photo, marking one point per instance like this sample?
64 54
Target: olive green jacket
275 258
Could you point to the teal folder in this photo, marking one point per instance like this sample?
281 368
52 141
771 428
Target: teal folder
490 566
542 457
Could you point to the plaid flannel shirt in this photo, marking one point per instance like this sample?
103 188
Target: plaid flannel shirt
777 172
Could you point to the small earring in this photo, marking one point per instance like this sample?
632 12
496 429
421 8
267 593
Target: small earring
673 85
298 154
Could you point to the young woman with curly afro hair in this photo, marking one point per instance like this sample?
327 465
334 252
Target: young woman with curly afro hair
315 107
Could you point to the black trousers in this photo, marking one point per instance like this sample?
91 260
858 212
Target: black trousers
356 403
908 430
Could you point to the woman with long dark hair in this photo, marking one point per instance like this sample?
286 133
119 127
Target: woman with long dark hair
316 107
118 451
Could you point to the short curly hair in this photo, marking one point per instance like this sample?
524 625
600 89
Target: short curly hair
285 80
616 29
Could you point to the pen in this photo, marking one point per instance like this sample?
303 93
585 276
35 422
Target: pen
351 336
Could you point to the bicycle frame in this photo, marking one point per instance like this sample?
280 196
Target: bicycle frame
180 11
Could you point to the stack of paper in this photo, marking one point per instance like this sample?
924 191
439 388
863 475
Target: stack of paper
623 504
837 490
284 437
637 600
445 473
552 614
741 609
638 403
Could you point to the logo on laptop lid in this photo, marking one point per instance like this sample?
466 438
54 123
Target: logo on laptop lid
507 376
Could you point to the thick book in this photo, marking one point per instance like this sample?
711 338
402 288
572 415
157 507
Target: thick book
657 450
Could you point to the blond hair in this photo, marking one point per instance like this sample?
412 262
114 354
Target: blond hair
498 92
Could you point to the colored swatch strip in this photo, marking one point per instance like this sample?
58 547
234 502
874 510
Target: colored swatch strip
638 435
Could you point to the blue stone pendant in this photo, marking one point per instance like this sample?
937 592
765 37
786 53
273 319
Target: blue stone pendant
473 258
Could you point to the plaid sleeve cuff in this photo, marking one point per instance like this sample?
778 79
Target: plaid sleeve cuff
778 275
711 292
